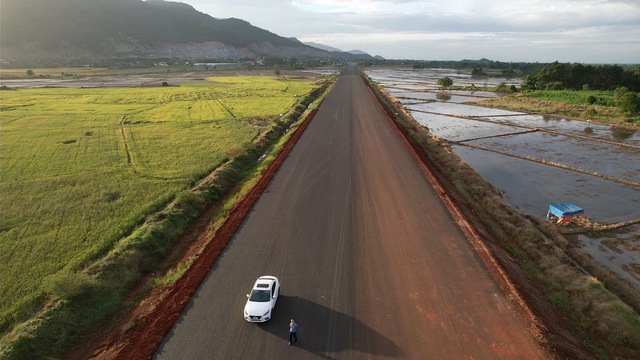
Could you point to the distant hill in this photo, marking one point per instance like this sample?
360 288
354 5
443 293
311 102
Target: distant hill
323 47
352 54
63 29
357 52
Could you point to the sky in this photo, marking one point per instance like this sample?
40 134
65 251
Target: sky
575 31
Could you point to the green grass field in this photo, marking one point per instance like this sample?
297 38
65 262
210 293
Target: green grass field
568 103
81 168
572 97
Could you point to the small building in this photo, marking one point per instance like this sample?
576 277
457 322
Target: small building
564 213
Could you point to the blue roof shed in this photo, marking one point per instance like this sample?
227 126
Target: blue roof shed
561 210
565 210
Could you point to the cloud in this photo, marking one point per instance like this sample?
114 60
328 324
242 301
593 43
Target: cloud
593 30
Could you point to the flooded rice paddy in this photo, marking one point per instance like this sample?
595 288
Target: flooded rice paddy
536 160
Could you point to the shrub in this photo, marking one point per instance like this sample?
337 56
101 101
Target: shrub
477 72
502 88
618 93
555 85
445 83
629 103
69 285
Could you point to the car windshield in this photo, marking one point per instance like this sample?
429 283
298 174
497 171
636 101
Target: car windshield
259 295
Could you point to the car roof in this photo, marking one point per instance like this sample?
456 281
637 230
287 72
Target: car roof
264 280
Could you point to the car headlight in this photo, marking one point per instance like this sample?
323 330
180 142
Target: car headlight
267 313
246 313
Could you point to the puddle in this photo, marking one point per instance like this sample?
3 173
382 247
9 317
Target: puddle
620 248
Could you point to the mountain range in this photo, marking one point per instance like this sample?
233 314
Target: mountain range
82 29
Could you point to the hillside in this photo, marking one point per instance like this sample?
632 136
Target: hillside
353 55
63 29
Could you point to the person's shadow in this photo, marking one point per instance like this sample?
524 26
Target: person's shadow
323 330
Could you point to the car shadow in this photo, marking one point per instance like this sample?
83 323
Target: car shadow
323 330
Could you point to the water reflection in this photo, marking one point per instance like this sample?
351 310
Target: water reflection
620 248
622 134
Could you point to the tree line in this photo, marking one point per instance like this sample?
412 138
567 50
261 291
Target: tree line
625 83
512 69
559 76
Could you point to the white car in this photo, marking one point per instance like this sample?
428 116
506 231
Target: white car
262 299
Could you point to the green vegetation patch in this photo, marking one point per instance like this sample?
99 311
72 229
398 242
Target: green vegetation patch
581 97
594 105
82 168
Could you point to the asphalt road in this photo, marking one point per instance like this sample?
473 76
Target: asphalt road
372 264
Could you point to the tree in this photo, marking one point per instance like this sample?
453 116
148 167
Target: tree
554 85
445 82
567 76
618 93
630 103
477 72
502 88
277 72
530 82
30 73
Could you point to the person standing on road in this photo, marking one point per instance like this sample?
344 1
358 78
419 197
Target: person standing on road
293 332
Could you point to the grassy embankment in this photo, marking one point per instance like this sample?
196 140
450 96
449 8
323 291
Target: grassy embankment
605 325
86 174
568 103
